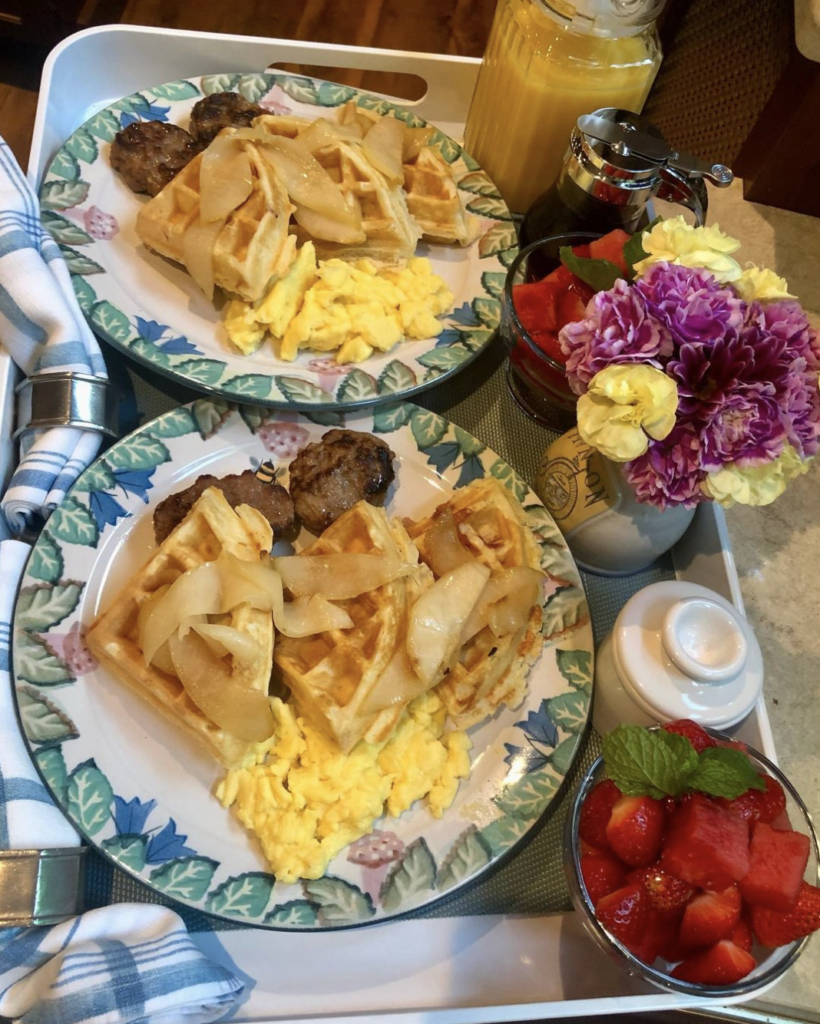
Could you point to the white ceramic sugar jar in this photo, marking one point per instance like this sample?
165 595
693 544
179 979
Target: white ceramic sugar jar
677 650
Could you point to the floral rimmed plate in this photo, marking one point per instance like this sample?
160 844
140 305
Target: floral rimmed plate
140 790
150 308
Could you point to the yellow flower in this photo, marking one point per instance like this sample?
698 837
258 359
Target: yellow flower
762 285
624 404
759 485
675 241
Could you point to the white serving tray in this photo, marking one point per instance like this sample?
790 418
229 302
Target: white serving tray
460 970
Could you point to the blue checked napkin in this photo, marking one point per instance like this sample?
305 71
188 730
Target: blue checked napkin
122 964
42 328
137 965
128 963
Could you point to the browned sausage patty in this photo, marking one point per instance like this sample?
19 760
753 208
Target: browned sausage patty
148 154
245 488
221 110
328 478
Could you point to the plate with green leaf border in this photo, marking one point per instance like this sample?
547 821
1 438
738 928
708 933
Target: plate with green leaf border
140 790
150 309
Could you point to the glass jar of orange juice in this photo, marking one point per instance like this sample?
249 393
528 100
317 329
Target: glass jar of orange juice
547 63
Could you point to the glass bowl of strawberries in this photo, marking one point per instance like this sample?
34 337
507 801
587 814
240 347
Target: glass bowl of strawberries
542 295
692 859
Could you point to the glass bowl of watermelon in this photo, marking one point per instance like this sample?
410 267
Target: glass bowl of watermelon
696 893
540 297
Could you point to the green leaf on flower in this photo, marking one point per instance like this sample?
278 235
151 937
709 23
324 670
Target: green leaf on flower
128 850
243 896
65 165
186 878
86 296
468 855
78 262
139 452
389 417
218 83
181 90
51 763
103 125
598 274
111 322
63 195
64 230
576 668
428 428
83 146
296 913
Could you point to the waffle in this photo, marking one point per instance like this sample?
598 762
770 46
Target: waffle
332 674
435 202
210 527
252 248
391 234
490 671
433 199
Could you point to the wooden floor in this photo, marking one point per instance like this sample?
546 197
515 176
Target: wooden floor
435 26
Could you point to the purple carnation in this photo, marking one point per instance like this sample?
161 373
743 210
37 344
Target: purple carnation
669 473
691 303
619 330
787 320
707 376
800 401
747 428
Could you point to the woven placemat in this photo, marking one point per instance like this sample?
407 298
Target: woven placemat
530 880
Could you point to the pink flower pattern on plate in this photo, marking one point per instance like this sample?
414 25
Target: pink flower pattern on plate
283 439
99 224
71 647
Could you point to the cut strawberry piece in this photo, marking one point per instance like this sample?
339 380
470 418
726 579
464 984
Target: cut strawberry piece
625 913
778 927
778 862
697 736
710 917
707 845
756 805
635 829
610 247
667 894
722 964
596 812
742 935
603 874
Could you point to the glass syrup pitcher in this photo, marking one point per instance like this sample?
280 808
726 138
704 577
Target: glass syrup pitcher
616 163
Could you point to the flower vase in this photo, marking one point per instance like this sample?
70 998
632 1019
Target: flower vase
609 532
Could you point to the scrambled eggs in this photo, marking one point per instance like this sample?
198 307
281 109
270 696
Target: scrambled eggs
351 309
307 801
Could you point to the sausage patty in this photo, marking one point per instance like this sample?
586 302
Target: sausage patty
221 110
148 154
331 476
245 488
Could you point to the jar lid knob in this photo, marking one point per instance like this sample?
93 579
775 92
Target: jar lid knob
704 640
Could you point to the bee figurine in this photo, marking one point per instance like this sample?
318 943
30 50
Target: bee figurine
266 472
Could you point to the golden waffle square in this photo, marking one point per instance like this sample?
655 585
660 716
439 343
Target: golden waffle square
331 675
435 202
490 671
391 233
211 527
254 245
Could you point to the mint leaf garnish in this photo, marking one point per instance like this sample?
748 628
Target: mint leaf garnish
722 771
634 251
598 274
644 763
661 763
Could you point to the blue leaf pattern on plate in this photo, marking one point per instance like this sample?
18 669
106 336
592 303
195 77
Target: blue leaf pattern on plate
135 481
442 456
105 509
525 759
167 844
130 817
448 337
471 469
465 315
539 727
151 330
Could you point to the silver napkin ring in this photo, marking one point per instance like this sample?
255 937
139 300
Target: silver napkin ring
65 400
40 886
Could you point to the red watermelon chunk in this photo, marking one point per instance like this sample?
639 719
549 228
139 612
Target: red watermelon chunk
610 247
778 861
537 306
707 845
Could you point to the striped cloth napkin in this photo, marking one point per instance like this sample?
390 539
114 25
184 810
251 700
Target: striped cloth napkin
42 328
128 963
124 964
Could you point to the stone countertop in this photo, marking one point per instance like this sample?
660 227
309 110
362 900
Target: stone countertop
777 553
